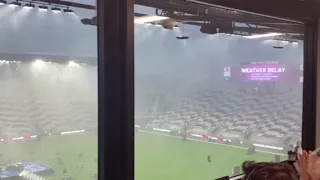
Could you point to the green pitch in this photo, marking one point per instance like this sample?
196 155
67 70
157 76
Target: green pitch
167 158
157 157
69 147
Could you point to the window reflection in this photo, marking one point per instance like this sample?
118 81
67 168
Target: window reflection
213 88
48 92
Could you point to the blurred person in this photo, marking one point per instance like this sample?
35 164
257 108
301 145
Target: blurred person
298 148
185 131
64 171
269 171
67 177
308 169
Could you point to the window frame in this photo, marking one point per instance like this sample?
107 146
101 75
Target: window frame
309 109
116 88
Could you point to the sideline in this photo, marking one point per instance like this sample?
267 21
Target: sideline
227 145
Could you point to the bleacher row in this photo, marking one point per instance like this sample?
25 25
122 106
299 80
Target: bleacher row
276 115
55 97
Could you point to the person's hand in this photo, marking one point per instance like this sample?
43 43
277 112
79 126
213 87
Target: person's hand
303 163
307 167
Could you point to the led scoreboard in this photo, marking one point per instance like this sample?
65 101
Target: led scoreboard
270 71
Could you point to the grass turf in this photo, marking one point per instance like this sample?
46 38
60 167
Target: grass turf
166 158
157 157
69 147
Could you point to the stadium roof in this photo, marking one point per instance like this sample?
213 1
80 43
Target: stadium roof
301 10
197 12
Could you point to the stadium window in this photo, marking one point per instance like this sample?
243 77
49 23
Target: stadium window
214 88
48 91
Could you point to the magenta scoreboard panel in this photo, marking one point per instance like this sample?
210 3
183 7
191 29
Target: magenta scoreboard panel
264 72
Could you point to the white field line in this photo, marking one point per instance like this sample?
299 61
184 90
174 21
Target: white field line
227 145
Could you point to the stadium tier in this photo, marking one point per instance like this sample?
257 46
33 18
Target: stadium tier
272 119
42 97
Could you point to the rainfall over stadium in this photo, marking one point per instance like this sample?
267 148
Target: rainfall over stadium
213 88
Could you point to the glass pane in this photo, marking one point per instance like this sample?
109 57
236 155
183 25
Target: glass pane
48 92
213 88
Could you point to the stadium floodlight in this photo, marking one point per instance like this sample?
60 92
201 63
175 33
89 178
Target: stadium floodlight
3 2
73 64
149 19
263 35
43 7
30 5
38 62
15 4
55 9
69 11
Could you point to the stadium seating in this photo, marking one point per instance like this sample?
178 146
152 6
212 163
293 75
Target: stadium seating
55 97
60 97
232 114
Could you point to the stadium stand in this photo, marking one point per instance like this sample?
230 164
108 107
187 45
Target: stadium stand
234 115
58 97
54 97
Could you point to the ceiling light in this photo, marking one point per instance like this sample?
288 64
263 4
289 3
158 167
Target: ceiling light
29 5
15 4
148 19
92 21
182 37
3 2
263 35
68 11
55 9
43 7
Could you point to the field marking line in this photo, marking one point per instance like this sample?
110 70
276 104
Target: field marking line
227 145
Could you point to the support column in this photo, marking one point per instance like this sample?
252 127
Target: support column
317 58
116 89
310 79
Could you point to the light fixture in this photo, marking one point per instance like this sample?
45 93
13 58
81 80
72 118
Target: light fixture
15 4
149 19
55 9
68 11
38 63
92 21
43 7
73 64
3 2
30 5
182 37
263 35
